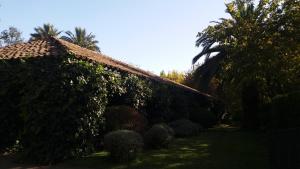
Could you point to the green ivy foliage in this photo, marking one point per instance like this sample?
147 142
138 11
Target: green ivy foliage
9 99
138 91
54 105
128 89
115 87
61 105
159 106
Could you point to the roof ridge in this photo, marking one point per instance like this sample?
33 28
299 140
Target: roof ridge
141 71
54 46
103 55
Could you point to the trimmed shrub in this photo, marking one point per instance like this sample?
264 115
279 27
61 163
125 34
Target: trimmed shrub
285 111
159 136
124 117
62 106
203 117
185 128
123 145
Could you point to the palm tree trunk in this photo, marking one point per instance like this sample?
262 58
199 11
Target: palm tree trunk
250 105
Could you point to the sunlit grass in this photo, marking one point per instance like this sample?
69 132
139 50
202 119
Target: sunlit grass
215 149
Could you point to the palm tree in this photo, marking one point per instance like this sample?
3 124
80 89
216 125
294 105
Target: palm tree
81 38
248 54
211 65
217 41
48 30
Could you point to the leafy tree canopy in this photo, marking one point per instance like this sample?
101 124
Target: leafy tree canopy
257 43
174 75
258 46
10 36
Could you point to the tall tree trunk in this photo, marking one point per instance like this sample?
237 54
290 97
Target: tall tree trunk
250 104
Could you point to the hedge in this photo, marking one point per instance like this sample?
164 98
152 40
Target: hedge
284 130
285 111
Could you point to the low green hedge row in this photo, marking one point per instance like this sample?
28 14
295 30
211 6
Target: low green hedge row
285 111
124 145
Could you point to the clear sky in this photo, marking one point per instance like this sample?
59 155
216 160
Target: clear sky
154 35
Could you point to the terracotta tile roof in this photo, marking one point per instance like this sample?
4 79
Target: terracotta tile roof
58 47
31 49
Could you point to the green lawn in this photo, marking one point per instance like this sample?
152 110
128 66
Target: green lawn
213 149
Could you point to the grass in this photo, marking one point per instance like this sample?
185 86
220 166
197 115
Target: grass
214 149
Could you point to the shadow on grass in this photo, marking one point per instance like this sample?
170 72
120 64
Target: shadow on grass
214 149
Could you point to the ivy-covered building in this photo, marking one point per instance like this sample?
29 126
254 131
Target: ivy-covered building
53 95
59 48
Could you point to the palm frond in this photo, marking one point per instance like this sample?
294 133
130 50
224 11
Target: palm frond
81 38
48 30
207 51
208 70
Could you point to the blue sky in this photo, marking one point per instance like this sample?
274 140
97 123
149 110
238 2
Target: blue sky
154 35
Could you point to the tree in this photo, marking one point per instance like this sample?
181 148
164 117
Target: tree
81 38
174 75
256 50
48 30
10 36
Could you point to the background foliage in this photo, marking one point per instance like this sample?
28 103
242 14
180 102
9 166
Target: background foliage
174 75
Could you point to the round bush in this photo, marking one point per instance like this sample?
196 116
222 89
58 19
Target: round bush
185 128
124 117
159 136
123 145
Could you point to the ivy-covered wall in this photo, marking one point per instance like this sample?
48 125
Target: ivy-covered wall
54 105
